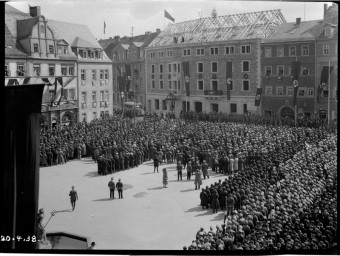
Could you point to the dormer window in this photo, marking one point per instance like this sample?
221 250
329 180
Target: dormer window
42 29
65 49
51 48
327 31
84 54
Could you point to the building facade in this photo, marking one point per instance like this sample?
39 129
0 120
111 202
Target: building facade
204 53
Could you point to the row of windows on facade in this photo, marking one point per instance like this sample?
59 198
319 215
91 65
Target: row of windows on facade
103 74
66 70
103 96
246 49
68 94
128 55
87 54
94 115
61 49
302 91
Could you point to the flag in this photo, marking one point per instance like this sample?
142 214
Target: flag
60 81
128 76
295 76
168 16
46 81
121 83
186 74
229 76
26 80
13 82
258 97
104 27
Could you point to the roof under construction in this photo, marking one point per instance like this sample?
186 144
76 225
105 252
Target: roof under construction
222 28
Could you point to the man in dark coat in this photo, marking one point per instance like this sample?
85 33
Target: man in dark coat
179 170
112 186
204 199
119 187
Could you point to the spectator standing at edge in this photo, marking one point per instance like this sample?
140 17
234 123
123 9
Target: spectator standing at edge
74 197
111 186
119 187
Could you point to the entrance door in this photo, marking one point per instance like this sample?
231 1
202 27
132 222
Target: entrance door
198 107
214 108
287 112
187 107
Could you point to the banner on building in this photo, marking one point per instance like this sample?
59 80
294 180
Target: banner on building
295 77
258 96
128 76
121 83
168 16
325 73
186 74
229 78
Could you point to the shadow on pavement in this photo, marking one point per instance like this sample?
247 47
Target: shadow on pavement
92 174
67 210
147 173
206 212
187 190
102 200
195 209
218 217
155 188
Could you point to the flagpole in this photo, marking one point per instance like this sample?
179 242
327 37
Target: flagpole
295 106
329 91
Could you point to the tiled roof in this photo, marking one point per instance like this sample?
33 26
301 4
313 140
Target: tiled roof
10 46
11 16
222 28
292 32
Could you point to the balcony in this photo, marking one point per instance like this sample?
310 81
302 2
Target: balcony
213 94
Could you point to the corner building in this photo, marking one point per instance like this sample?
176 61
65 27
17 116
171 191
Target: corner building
208 44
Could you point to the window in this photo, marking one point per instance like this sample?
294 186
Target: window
327 31
200 51
82 74
186 52
169 53
279 90
101 74
280 51
267 52
310 92
94 115
51 49
169 68
325 49
175 67
160 54
292 51
268 70
160 68
72 94
106 75
71 71
156 104
152 55
94 74
36 70
245 66
65 49
280 70
161 87
233 108
229 50
175 85
20 70
179 67
35 48
63 70
170 85
6 70
152 68
42 29
214 51
245 48
268 90
51 70
200 67
301 91
101 96
245 85
84 54
305 70
179 85
83 97
200 85
164 104
153 84
92 55
106 95
94 96
65 96
305 50
83 116
214 67
290 91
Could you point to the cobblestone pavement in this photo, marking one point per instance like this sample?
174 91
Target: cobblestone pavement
149 217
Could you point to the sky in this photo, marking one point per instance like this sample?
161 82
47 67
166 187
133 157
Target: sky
147 15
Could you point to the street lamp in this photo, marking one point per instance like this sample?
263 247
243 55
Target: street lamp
122 97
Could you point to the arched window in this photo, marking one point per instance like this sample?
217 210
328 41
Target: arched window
42 29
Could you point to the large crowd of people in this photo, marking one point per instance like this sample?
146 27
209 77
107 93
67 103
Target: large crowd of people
277 175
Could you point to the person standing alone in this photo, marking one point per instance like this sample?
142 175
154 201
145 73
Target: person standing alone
74 197
112 188
119 187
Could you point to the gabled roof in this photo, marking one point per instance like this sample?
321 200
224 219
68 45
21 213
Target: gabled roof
82 43
10 46
125 46
251 25
11 16
138 44
292 32
62 42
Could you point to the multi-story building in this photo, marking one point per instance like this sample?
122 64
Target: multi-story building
48 60
53 51
209 51
326 84
290 42
128 56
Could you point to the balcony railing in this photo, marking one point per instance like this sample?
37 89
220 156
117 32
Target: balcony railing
213 92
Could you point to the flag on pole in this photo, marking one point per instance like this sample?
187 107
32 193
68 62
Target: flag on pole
104 27
168 16
258 97
229 76
295 76
128 76
186 74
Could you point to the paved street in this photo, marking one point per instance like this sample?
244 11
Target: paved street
149 216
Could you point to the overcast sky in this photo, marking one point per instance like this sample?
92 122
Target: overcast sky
144 15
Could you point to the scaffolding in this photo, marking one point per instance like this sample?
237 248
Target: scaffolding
222 28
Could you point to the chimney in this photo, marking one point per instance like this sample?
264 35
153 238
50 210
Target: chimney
117 39
298 21
35 11
158 30
147 32
325 6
